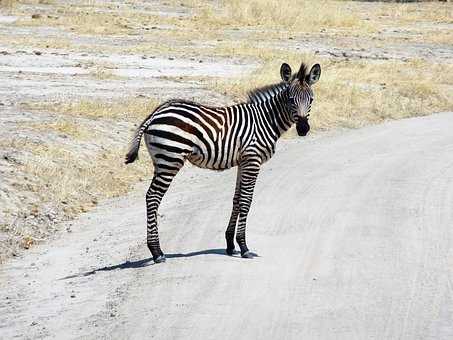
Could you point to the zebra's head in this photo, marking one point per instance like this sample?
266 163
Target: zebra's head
300 94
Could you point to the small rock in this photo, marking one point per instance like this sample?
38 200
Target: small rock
112 315
36 16
4 52
34 323
72 296
171 58
37 52
200 61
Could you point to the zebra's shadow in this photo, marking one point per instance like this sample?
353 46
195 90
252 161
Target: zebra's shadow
217 251
148 262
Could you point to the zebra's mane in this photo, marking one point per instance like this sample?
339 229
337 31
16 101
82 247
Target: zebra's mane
264 93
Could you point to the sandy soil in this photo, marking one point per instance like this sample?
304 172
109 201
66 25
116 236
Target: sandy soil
353 232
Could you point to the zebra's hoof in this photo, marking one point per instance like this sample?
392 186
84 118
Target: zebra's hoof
160 259
247 255
229 251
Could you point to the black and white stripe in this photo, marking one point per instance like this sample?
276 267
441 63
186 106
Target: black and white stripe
218 138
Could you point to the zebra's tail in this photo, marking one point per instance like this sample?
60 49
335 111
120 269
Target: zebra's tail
132 154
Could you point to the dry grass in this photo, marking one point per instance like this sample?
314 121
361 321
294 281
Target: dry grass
356 93
65 126
296 15
70 172
256 20
128 109
93 19
67 184
7 3
19 41
437 12
77 184
360 93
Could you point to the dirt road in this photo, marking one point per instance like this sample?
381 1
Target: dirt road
353 231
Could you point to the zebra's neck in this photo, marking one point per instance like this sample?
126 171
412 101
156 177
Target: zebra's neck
276 114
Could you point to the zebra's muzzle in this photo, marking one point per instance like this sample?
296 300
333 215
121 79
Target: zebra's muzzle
302 126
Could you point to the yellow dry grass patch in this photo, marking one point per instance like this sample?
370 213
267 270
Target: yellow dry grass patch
439 12
356 93
76 184
19 41
7 3
95 18
70 177
296 15
66 126
129 109
256 20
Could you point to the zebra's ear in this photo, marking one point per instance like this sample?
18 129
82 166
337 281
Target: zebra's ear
314 75
285 72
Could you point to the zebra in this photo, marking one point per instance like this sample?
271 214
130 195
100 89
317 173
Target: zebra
219 138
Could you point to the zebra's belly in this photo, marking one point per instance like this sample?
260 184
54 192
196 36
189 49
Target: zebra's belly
214 163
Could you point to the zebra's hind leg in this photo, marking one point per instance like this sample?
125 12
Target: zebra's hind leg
249 173
231 229
163 176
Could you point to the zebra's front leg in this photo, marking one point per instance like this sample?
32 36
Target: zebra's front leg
249 174
230 231
156 192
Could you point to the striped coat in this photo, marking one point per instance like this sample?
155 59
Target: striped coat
219 138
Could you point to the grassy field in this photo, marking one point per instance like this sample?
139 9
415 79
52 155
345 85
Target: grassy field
379 61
